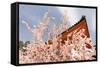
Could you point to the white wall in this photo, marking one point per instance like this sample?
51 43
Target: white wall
5 33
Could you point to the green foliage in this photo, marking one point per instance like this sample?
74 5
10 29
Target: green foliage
27 42
22 44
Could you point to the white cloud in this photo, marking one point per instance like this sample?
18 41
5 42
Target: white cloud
71 14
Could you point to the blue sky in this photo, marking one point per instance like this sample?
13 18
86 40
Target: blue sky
33 15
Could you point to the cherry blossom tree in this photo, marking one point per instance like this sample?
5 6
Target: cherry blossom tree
77 46
38 31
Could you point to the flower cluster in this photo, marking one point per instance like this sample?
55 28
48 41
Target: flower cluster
79 47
